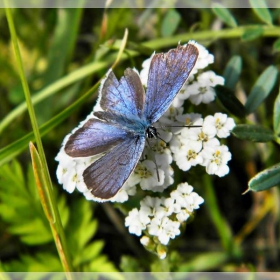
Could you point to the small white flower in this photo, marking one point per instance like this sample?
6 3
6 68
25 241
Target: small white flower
221 123
146 175
168 206
170 116
164 229
181 194
168 176
183 215
151 206
215 159
124 193
204 58
189 155
162 153
136 221
202 91
177 102
196 200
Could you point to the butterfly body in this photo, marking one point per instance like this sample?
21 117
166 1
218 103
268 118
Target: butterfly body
125 118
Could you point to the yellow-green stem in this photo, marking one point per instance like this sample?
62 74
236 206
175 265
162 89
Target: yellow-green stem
56 227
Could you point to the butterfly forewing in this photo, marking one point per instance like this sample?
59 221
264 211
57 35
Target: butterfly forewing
107 175
125 97
168 72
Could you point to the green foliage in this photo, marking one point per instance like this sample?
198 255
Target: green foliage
230 102
261 10
276 115
276 46
232 71
21 210
261 89
253 133
170 23
20 206
224 14
252 33
266 179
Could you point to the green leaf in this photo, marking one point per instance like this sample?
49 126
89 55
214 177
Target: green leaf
253 133
40 262
276 46
261 10
60 53
224 14
261 89
20 207
91 251
266 179
205 262
232 71
252 33
63 43
229 101
129 264
276 115
170 23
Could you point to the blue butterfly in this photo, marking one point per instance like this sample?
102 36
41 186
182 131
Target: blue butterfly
120 129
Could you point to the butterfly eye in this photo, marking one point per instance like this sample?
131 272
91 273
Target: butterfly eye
151 132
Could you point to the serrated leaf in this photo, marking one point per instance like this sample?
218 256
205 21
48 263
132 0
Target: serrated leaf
40 262
233 71
276 46
266 179
252 33
253 133
170 22
261 10
276 115
101 264
229 101
224 14
261 89
90 252
81 219
20 207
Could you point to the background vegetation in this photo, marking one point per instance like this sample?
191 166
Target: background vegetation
65 52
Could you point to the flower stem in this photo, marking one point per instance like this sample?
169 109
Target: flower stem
268 31
56 226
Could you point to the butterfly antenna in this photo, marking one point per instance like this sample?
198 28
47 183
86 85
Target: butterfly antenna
164 126
154 159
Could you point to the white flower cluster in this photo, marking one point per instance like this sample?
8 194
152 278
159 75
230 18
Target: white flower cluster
186 139
154 215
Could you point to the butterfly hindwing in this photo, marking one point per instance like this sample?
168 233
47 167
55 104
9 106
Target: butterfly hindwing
168 72
93 138
106 176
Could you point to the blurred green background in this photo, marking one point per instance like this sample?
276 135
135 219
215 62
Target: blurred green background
65 52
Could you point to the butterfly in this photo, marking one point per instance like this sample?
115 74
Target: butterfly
126 117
